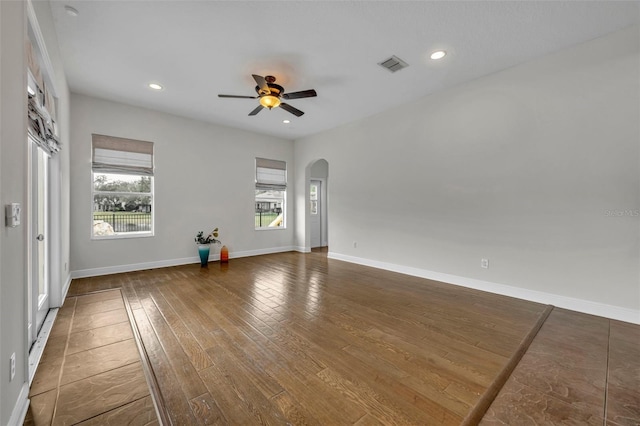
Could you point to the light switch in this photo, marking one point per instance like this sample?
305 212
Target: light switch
12 214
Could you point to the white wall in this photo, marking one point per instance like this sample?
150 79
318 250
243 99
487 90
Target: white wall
320 169
204 177
520 167
13 188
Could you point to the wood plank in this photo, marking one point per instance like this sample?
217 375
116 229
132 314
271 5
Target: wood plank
324 402
223 389
101 306
187 340
96 337
196 321
623 385
140 412
91 396
206 410
100 296
175 402
99 360
386 384
99 319
41 408
293 411
187 376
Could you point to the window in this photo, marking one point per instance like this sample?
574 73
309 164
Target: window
313 199
122 172
271 191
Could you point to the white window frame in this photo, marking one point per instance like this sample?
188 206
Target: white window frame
276 182
142 168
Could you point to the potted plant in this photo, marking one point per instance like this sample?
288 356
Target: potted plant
204 244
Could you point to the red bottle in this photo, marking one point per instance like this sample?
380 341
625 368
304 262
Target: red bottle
224 254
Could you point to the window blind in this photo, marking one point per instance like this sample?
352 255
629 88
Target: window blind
118 155
41 128
271 174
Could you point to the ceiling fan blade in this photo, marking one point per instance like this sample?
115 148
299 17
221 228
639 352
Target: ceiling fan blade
292 110
237 97
302 94
262 84
257 110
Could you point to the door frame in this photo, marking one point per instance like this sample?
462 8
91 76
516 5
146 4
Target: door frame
324 235
320 211
303 209
35 304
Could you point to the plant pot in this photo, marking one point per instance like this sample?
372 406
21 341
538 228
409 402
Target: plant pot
203 251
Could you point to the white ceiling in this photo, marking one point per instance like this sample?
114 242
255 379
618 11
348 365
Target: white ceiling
198 49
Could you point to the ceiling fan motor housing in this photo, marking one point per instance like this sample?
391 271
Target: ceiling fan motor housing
274 89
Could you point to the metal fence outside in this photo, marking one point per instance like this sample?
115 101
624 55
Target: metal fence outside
126 222
137 222
264 218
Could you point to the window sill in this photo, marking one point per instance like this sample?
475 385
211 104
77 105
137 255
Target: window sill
123 236
275 228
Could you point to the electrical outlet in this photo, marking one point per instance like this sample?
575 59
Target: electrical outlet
484 263
65 266
13 366
355 244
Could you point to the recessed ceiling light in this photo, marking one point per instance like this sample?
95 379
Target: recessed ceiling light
286 121
438 54
155 86
71 11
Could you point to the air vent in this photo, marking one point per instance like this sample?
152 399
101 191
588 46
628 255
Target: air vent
393 64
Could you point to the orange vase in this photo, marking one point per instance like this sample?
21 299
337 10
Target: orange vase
224 254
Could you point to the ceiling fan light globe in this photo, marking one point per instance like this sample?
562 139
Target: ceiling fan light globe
269 101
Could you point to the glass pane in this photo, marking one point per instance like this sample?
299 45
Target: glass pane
111 182
269 211
41 222
121 213
313 198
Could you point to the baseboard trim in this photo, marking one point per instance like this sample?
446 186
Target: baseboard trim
301 249
65 288
35 354
574 304
108 270
95 272
19 412
259 252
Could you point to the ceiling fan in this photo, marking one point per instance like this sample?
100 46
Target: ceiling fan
270 95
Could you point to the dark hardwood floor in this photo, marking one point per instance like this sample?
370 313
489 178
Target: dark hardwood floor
302 339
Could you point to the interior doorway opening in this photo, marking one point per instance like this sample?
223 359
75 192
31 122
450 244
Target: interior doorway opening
317 204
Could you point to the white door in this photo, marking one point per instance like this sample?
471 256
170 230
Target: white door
315 211
39 244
